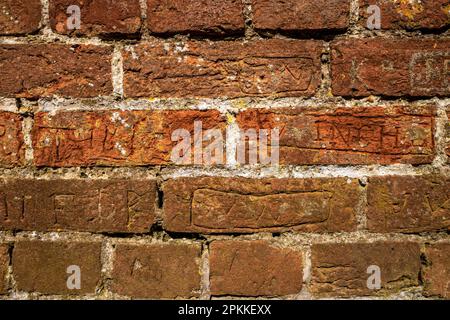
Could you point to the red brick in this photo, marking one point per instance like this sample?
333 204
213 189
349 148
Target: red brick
239 205
342 269
358 135
81 205
437 271
408 204
12 147
164 271
409 15
254 268
390 67
42 70
116 138
19 16
98 17
294 15
41 266
195 16
4 263
223 69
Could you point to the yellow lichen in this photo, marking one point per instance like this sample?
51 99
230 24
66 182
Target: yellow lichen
230 119
408 8
446 10
240 103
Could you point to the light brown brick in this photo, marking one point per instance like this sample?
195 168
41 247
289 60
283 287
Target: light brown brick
12 147
447 135
408 204
254 268
164 271
342 269
4 264
41 266
437 270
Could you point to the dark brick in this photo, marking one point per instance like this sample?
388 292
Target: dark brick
294 15
98 17
276 68
43 70
19 16
195 16
82 205
409 15
390 67
238 205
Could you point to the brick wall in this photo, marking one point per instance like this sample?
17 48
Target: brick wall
87 117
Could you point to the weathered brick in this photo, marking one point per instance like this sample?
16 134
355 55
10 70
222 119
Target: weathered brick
98 17
195 16
239 205
437 272
447 135
294 15
41 266
19 16
358 135
408 204
254 268
409 15
342 269
165 271
4 263
223 68
82 205
12 147
42 70
390 67
113 137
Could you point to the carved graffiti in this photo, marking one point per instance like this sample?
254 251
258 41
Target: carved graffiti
258 211
430 70
75 204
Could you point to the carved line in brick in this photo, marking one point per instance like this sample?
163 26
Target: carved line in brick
327 195
338 129
416 80
26 205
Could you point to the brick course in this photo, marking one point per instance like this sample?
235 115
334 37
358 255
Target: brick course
102 165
